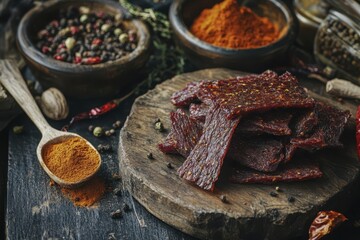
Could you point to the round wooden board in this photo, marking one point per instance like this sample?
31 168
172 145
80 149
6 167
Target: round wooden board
251 211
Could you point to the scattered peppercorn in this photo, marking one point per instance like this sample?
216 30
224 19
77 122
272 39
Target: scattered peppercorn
112 131
116 177
111 236
104 148
223 199
116 124
83 36
91 128
169 166
291 199
107 133
150 156
117 191
159 126
116 214
126 207
278 189
273 194
18 129
98 132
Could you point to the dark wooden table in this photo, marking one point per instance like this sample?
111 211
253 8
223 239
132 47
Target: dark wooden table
36 210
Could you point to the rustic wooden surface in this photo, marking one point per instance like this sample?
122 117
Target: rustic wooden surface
35 210
251 212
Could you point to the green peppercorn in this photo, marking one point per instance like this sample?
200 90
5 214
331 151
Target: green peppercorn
105 27
18 129
118 31
83 18
123 38
98 132
70 42
159 126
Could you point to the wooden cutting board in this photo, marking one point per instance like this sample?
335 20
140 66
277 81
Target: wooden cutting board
251 212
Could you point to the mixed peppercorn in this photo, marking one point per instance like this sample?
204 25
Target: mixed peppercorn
81 36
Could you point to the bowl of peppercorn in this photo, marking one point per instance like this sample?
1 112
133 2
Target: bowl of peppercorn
244 35
85 48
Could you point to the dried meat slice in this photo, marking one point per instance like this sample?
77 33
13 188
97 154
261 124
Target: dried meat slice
299 170
204 163
272 122
315 141
332 123
185 134
169 145
186 96
261 153
198 112
255 94
305 123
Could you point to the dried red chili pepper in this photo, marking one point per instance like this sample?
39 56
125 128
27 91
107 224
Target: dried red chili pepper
97 111
324 223
358 131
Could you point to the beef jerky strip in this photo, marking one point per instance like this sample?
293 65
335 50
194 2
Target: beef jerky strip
204 163
332 123
305 123
198 112
274 122
299 170
185 134
257 94
186 96
315 141
169 145
261 153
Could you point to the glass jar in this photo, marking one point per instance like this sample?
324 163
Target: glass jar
337 44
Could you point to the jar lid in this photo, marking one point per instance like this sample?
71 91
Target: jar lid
350 8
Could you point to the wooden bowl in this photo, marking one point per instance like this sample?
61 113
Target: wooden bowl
204 55
82 81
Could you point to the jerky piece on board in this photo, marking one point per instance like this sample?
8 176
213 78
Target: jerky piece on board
332 123
204 163
305 123
256 94
299 170
315 141
186 96
169 145
261 153
198 112
274 122
185 133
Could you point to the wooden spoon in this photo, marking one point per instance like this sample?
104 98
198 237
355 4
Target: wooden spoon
11 79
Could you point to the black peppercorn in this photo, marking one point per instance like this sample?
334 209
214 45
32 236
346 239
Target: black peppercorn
116 214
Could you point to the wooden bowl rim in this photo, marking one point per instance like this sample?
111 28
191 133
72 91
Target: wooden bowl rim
29 50
181 29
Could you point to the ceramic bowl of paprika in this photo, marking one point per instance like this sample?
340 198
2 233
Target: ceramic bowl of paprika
204 55
82 81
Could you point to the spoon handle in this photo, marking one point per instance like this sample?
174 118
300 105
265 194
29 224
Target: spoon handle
11 79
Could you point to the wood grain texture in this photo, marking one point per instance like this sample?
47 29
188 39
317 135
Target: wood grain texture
34 210
251 211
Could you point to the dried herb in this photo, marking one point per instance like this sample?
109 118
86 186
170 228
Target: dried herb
167 59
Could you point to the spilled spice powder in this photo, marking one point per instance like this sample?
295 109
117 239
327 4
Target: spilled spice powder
229 25
71 159
88 194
